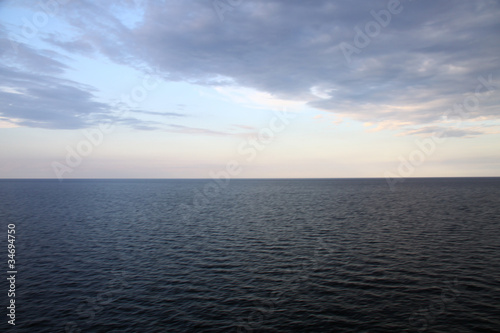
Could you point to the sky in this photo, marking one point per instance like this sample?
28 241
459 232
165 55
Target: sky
249 89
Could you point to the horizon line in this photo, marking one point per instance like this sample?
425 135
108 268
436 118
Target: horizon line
253 178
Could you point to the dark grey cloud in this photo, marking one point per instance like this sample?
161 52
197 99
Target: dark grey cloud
22 56
425 60
33 94
72 46
36 100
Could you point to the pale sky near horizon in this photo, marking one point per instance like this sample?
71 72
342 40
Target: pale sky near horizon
266 89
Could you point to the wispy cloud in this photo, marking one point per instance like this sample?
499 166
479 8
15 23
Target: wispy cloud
194 130
162 114
445 132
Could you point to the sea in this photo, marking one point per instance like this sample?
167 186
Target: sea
251 255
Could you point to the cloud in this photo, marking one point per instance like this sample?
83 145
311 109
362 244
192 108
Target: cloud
452 132
33 94
235 130
425 60
44 101
162 114
194 130
461 130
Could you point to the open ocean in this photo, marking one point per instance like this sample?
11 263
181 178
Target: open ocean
324 255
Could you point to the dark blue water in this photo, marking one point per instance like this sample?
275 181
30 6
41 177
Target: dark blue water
254 255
